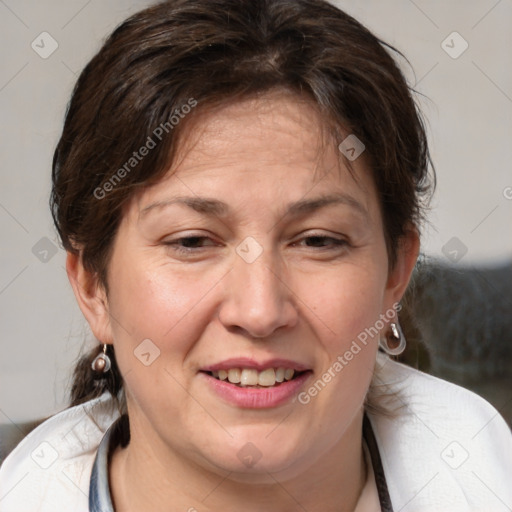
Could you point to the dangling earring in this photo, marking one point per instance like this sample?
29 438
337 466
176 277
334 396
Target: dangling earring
394 340
101 362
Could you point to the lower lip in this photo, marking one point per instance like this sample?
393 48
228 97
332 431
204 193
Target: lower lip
257 398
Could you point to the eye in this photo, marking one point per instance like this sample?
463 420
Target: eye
190 244
320 241
324 241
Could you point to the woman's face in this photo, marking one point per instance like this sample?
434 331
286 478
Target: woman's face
259 251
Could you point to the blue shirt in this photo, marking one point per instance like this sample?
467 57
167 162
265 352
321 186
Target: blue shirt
99 488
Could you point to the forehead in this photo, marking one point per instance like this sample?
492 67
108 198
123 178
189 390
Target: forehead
277 142
277 127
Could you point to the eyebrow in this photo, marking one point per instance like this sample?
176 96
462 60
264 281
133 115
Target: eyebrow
214 207
306 206
199 204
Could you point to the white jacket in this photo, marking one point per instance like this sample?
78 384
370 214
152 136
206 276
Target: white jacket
448 450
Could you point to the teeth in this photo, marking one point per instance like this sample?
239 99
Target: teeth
249 377
252 377
234 375
267 377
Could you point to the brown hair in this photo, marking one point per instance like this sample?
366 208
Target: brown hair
182 53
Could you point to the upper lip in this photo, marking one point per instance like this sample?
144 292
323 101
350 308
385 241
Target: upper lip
247 362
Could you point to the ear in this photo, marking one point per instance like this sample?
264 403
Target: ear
91 297
399 276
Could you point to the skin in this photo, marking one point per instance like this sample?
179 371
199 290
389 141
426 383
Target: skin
303 298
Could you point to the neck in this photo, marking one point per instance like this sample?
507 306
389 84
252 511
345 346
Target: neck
143 479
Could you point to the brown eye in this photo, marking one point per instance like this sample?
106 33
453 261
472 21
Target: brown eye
321 242
192 241
189 244
324 241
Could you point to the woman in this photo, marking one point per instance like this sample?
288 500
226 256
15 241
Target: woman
239 186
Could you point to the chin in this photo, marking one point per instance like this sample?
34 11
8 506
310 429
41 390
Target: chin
260 459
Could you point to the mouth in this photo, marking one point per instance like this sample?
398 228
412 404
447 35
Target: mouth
250 384
256 389
258 379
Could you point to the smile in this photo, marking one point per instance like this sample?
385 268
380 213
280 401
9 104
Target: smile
256 396
244 377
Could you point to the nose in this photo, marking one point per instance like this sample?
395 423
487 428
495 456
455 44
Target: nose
257 300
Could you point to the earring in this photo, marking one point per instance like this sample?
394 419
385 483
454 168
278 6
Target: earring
101 362
394 340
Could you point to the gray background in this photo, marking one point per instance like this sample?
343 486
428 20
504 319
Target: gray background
469 111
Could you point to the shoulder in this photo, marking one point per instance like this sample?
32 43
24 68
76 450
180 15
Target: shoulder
50 469
445 447
448 405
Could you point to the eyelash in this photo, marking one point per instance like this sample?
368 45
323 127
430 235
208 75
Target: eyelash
174 244
335 243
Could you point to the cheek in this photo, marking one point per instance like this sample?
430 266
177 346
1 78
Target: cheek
344 308
151 299
344 304
157 314
157 302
